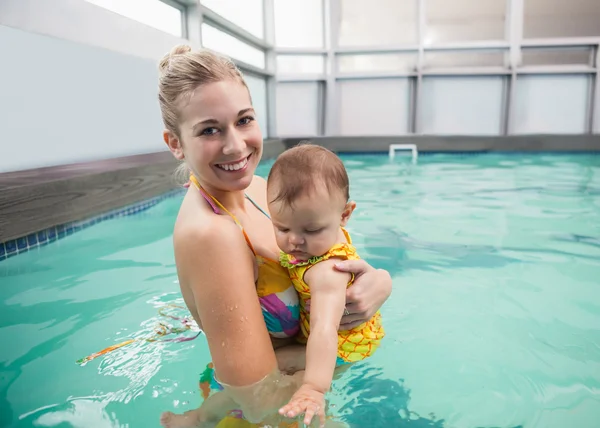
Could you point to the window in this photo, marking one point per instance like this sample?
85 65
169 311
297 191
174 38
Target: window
299 109
374 107
217 40
471 58
298 64
557 56
299 26
464 20
551 104
258 91
559 18
381 22
401 62
154 13
462 105
247 14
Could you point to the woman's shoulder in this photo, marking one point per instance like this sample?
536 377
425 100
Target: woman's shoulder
197 228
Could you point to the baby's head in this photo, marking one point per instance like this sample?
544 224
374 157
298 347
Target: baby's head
308 197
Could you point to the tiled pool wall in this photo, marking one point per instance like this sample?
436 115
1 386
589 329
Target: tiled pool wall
38 239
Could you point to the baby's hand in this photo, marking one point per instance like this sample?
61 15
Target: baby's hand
306 400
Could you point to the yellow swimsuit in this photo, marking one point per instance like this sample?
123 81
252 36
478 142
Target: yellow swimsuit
355 344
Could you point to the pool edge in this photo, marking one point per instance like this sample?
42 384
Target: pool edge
23 244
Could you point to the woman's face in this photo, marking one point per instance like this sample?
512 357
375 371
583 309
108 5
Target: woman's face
219 136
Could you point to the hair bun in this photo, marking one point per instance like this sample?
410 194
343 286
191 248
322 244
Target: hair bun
176 51
180 50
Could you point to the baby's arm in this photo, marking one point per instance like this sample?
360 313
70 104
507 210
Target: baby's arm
328 297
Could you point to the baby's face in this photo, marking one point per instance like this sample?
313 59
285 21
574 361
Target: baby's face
311 226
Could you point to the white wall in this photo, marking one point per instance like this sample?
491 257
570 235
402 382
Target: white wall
72 90
64 102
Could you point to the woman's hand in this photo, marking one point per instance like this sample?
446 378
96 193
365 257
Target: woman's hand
371 288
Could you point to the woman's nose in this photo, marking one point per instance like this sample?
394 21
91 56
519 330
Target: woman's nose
234 144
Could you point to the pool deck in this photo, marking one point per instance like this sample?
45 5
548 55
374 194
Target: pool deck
37 199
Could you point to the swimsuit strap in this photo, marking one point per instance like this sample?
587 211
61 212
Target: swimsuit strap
258 207
347 235
212 201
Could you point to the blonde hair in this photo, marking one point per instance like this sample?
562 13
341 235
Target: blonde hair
299 170
181 72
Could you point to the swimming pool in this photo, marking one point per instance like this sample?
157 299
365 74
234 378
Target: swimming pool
494 320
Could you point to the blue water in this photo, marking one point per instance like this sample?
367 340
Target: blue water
494 320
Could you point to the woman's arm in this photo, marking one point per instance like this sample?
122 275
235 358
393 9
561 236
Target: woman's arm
214 262
369 291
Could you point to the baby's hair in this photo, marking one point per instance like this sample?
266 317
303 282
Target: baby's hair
299 170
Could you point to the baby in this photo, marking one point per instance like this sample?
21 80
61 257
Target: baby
308 197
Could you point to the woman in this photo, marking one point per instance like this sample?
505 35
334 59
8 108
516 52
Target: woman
224 243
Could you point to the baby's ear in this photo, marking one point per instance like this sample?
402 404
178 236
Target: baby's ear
347 213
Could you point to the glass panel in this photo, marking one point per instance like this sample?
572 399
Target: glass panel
464 59
556 56
297 64
462 105
464 20
150 12
298 27
381 22
298 107
258 91
560 18
406 62
374 107
217 40
247 14
551 104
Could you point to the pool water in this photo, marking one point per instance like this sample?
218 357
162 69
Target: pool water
494 320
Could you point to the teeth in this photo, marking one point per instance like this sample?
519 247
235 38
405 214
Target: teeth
234 166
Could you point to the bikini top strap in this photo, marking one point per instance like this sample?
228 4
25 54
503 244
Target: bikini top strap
258 207
214 203
347 235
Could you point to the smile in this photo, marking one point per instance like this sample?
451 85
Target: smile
234 166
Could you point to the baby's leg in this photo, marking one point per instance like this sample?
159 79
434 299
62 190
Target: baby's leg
214 408
291 359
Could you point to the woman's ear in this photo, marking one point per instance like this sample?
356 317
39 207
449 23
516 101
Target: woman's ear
174 144
347 213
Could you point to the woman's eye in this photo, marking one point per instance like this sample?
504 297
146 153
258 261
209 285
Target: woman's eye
209 131
246 120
